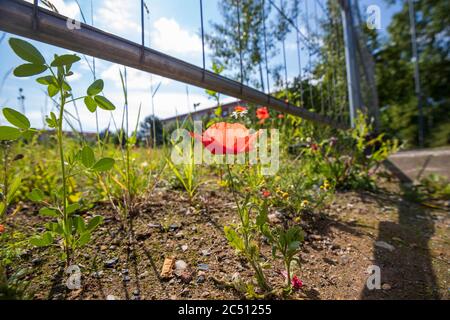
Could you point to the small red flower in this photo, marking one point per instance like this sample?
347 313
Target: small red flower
262 114
227 138
280 116
266 193
296 283
314 147
2 228
240 109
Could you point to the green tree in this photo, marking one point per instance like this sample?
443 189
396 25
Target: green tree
395 72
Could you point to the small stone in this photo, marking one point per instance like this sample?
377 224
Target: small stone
201 279
315 237
203 267
111 262
36 261
97 274
111 297
386 286
180 267
126 279
143 275
235 276
206 252
205 294
125 271
184 247
173 227
136 292
154 225
179 235
186 277
185 292
385 245
103 248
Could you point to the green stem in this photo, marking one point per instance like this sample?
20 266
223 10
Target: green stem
63 171
5 180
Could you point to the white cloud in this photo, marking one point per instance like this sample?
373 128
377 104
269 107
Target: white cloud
136 79
118 16
169 37
66 8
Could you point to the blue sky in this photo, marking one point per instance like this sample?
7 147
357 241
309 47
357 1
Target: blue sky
173 28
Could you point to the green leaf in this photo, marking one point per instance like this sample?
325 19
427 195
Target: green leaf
29 69
87 156
36 195
94 223
45 240
13 187
47 212
104 164
26 51
90 104
104 103
80 226
47 80
52 90
9 133
64 60
233 238
16 118
84 238
95 88
71 208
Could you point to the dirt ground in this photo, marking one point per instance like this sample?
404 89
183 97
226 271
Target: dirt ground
343 240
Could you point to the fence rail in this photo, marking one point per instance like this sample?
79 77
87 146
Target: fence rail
25 19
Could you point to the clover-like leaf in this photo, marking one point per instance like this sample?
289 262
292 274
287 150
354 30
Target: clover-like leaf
16 118
95 88
26 51
29 69
9 133
104 103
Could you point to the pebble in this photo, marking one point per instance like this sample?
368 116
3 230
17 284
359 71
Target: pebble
143 275
186 277
111 262
203 266
384 245
126 279
206 252
185 292
111 297
201 279
184 247
386 286
180 267
179 235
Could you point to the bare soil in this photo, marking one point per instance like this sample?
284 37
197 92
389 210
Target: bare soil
339 249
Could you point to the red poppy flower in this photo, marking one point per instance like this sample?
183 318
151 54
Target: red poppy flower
314 147
227 138
296 283
2 228
262 114
240 109
266 193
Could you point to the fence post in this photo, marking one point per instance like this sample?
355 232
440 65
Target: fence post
353 86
